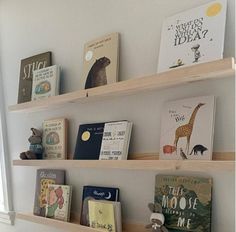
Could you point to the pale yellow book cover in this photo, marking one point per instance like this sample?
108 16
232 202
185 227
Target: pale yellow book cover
101 215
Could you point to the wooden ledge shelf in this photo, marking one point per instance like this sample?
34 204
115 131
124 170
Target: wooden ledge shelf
224 163
211 70
72 226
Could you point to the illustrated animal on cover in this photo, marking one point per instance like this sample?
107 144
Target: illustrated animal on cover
198 148
97 74
187 129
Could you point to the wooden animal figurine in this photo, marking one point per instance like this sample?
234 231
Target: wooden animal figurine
35 149
157 219
186 130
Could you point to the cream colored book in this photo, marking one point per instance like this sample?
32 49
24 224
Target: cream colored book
101 59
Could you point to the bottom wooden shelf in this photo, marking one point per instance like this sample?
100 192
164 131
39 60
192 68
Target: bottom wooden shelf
73 226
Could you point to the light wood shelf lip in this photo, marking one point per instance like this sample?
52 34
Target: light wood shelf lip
204 71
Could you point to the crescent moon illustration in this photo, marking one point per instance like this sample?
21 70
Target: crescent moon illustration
109 196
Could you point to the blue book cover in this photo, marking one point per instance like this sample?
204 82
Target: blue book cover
96 193
89 141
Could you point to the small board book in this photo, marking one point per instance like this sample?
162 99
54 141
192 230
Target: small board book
101 58
89 141
105 215
46 82
55 138
187 129
115 140
28 65
193 36
186 202
96 193
45 177
59 202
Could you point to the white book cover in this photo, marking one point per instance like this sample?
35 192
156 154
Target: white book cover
187 129
59 202
46 82
193 36
115 140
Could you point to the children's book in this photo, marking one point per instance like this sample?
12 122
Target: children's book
96 193
115 140
186 202
55 138
101 58
43 179
59 202
187 129
28 65
46 82
193 36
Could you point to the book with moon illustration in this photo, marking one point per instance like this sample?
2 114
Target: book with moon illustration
44 177
100 61
186 202
59 202
46 82
105 215
28 65
187 128
55 138
191 37
96 193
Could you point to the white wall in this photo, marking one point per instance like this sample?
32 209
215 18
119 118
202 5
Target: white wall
28 27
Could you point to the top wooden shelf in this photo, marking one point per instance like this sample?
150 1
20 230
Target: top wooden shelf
211 70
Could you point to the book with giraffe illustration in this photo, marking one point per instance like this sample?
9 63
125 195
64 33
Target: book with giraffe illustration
191 37
187 129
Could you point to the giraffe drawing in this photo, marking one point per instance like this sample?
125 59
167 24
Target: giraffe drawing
186 130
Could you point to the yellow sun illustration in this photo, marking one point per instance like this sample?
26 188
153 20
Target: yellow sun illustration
85 136
214 9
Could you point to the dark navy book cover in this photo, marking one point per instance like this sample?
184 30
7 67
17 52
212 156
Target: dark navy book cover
96 193
89 141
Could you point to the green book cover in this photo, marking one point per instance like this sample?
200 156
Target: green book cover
186 202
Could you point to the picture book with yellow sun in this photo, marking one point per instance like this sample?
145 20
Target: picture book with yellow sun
194 36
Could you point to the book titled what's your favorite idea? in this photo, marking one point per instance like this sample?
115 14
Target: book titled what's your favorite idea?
193 36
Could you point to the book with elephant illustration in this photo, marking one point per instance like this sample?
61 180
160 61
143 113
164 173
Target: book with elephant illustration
100 61
190 37
187 129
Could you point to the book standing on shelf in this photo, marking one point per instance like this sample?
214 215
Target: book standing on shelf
185 201
96 193
191 37
45 177
187 129
46 82
59 202
101 58
28 65
55 138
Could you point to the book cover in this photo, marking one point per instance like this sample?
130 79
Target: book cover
191 37
28 65
96 193
186 202
55 138
88 143
115 141
100 65
44 177
187 129
102 216
59 202
46 82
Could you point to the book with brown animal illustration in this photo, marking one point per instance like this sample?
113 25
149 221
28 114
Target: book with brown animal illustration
101 58
28 65
187 129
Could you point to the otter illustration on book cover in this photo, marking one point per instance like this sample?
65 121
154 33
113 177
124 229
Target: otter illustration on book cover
187 127
186 202
101 58
191 37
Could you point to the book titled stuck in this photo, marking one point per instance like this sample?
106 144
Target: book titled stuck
28 65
